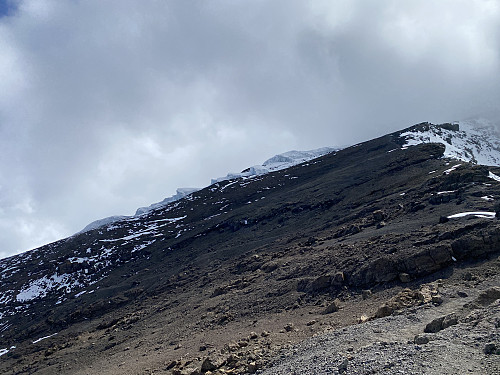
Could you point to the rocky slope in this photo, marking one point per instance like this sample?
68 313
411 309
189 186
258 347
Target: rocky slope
228 276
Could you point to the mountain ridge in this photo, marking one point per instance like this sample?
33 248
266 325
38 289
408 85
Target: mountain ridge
249 254
479 133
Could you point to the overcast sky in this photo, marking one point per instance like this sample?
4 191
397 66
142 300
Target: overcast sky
106 106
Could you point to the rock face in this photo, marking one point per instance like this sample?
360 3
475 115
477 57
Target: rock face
252 254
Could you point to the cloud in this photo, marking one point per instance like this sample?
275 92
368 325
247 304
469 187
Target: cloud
107 106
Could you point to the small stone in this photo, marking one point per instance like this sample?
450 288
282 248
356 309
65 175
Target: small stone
253 336
491 348
232 361
203 348
310 323
467 276
264 333
243 344
421 339
207 365
404 277
252 367
331 308
378 215
338 278
443 219
363 319
171 365
343 366
366 294
383 311
462 294
289 327
437 299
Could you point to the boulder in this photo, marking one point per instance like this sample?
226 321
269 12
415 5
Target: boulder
441 323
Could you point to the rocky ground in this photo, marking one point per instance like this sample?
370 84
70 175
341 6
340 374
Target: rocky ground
458 333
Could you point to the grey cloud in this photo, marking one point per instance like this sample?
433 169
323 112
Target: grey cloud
107 106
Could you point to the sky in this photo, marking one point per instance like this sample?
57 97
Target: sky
107 106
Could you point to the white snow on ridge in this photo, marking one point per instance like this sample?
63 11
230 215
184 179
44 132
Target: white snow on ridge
277 162
476 141
102 222
181 193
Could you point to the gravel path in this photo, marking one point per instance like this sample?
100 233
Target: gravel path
387 345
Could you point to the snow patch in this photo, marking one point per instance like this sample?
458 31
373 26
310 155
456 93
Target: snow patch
475 141
494 176
448 171
41 287
43 338
482 214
